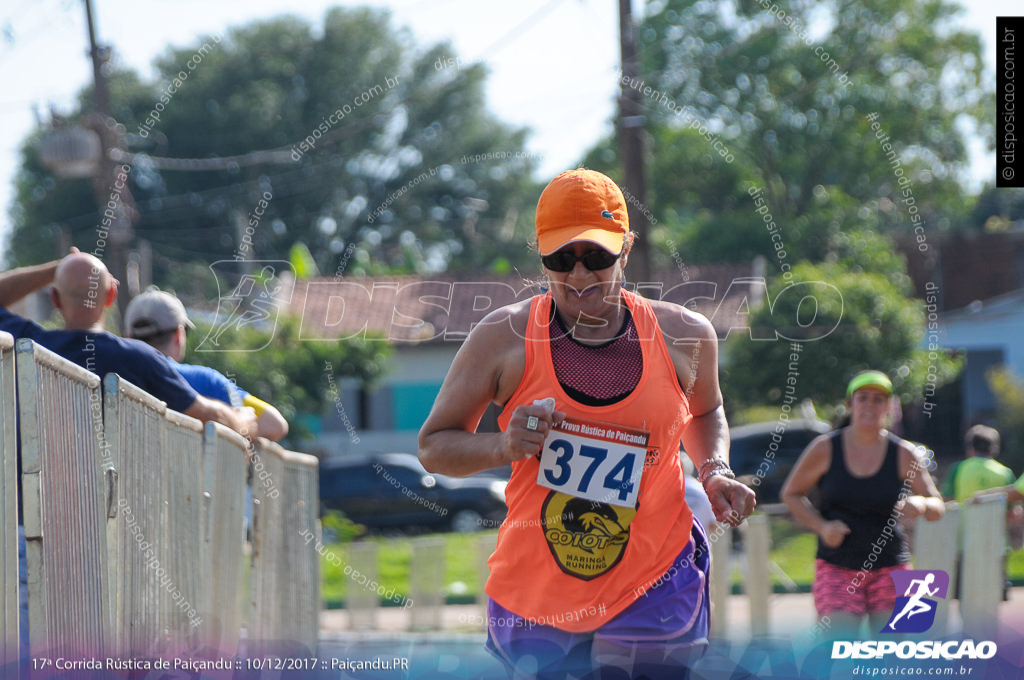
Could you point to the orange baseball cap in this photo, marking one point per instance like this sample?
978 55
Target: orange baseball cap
581 205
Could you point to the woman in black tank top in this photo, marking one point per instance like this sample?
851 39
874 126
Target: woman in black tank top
869 479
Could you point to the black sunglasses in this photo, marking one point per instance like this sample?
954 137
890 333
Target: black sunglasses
564 260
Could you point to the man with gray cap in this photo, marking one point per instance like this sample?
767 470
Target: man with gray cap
82 291
159 319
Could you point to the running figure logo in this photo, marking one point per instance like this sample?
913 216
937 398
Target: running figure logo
915 609
248 300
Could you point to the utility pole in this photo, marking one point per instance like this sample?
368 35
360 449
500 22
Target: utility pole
631 148
119 234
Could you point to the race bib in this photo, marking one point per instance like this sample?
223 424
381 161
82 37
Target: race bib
594 461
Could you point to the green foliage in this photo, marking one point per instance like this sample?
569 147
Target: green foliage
39 217
799 116
698 200
861 251
997 208
1009 392
403 168
753 414
340 528
809 177
297 376
736 77
846 321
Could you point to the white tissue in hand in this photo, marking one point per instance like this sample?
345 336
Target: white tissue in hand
547 402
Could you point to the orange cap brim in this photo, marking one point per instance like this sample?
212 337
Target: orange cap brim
552 240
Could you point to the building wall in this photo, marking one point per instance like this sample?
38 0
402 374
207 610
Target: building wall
388 417
990 336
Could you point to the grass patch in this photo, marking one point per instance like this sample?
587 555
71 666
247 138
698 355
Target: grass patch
394 557
1015 567
793 551
795 557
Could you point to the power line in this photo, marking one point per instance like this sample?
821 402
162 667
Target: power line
304 179
520 28
274 156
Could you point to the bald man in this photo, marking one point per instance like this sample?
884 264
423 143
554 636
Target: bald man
82 291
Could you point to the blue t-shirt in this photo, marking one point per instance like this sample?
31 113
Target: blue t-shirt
102 353
211 383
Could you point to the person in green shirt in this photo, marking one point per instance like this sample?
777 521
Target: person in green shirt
1016 492
1014 513
977 473
979 470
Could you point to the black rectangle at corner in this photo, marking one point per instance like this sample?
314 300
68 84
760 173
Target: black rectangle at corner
1009 102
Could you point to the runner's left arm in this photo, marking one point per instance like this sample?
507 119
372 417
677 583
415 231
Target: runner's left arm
926 499
448 441
707 435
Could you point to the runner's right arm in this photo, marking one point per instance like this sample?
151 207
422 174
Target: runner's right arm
487 368
808 471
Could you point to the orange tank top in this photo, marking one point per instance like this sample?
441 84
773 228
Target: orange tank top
575 562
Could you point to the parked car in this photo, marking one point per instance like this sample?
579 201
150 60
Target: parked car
394 491
757 452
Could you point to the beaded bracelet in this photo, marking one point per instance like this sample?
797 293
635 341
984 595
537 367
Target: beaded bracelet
718 467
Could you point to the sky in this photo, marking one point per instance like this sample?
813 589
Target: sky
553 63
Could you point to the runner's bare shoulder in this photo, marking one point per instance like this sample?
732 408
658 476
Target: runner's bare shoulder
504 326
496 348
680 324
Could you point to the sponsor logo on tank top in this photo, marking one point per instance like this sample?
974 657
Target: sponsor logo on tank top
587 538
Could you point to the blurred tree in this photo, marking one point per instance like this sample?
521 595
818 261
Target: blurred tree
752 94
846 317
997 209
1009 391
395 163
289 372
810 131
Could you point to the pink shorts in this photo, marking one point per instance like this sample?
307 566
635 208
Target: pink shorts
858 592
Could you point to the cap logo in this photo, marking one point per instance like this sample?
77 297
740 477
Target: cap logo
606 213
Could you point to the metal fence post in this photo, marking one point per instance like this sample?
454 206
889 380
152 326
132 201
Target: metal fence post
721 583
224 488
65 502
186 549
361 603
757 544
426 583
936 548
984 545
285 573
134 422
8 504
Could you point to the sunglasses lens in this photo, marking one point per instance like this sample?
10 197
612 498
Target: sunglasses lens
592 259
598 259
559 262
